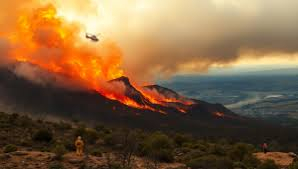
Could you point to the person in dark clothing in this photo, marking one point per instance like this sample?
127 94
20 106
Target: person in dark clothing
265 147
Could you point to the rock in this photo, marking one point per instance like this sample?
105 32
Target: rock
180 154
75 161
4 156
50 158
19 153
292 154
29 158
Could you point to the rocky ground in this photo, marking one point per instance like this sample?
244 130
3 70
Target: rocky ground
43 160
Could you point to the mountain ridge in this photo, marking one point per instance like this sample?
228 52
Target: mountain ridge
202 118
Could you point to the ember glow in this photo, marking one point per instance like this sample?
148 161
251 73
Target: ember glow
158 98
219 114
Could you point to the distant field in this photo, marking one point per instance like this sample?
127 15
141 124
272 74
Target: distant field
273 97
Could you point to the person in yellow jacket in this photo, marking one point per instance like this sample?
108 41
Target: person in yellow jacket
79 143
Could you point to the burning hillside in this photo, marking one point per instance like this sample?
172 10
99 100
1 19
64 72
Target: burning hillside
44 39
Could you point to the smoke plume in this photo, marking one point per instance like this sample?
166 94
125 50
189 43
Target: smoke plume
165 37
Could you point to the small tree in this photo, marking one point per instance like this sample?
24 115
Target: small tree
129 146
159 147
126 143
59 151
90 135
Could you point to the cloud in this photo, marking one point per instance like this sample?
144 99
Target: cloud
169 34
164 37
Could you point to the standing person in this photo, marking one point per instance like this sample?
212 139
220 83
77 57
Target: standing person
79 143
265 147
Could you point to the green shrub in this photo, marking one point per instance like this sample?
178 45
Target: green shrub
268 164
294 165
90 136
210 162
80 131
59 151
68 144
251 161
63 125
56 165
180 139
96 152
114 138
43 135
159 147
10 148
217 150
193 154
239 164
239 151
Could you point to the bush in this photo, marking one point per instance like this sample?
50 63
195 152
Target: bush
193 154
268 164
114 138
159 147
217 150
240 150
80 131
68 144
90 136
251 161
63 125
239 165
294 165
43 135
181 139
56 165
59 151
210 162
10 148
96 152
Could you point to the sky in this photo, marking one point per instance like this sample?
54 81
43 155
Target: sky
168 37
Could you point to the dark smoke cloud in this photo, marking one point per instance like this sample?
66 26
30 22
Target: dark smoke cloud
174 33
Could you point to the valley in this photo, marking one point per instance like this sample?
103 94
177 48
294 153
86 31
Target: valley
268 96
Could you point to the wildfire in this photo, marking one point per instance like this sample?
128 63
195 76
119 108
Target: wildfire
219 114
159 98
44 39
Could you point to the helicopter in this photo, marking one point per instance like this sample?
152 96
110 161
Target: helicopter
92 37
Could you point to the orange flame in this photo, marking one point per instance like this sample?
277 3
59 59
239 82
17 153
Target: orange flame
219 114
42 38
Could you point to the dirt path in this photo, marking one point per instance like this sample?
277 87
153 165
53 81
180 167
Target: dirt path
281 159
